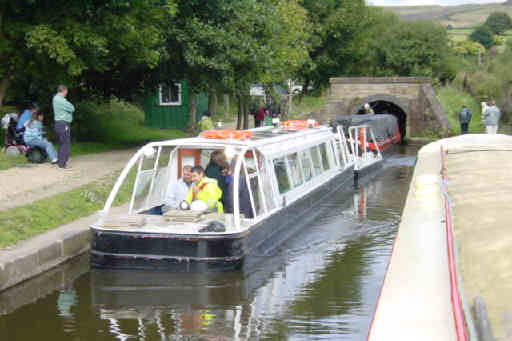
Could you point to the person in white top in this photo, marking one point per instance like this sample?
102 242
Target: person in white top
177 191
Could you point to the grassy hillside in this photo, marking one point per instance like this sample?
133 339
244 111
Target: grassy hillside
462 16
475 17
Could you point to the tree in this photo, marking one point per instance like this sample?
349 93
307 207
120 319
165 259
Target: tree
483 35
399 48
337 29
229 44
86 42
498 22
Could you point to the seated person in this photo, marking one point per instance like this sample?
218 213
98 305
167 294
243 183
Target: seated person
25 116
244 199
34 136
214 169
177 191
204 189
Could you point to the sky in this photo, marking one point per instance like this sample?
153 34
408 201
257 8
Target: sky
429 2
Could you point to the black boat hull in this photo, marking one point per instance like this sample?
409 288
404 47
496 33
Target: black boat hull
197 253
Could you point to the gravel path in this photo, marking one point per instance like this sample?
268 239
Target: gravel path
23 185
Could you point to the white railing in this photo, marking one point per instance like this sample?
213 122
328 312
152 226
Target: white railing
363 156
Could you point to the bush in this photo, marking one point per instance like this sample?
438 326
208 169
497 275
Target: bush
115 123
483 35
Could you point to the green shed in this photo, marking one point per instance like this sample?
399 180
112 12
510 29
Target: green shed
168 106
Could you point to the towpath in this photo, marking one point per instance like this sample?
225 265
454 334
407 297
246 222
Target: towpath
23 185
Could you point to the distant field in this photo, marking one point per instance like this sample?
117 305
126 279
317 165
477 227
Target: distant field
459 34
459 17
476 17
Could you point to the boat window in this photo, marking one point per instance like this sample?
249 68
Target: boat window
307 166
266 177
154 178
142 185
317 161
295 171
256 195
283 181
325 157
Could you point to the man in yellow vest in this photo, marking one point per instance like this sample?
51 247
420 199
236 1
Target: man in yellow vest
205 190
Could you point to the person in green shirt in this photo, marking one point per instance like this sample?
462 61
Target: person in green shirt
63 116
206 122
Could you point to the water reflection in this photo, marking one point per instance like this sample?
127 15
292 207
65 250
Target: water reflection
321 284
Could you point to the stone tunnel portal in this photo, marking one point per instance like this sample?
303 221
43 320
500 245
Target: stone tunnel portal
385 107
411 99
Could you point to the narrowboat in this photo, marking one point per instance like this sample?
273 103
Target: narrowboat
286 169
385 128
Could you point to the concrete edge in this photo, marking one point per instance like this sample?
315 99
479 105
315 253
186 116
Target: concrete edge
43 252
37 256
45 284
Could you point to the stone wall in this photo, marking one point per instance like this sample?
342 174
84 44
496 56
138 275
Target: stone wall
414 95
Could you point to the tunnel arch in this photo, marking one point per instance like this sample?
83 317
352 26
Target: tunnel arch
386 104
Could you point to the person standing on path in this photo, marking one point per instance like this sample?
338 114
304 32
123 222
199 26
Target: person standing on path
464 119
259 117
63 116
491 117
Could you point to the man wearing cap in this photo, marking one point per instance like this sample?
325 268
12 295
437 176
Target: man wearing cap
368 109
63 115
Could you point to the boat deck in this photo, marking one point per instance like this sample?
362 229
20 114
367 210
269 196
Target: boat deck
415 301
166 224
480 185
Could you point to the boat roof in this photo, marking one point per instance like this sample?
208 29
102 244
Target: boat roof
262 137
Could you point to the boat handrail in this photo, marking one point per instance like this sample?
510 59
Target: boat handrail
358 138
348 158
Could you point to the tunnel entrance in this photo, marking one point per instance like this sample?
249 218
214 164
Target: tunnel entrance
385 107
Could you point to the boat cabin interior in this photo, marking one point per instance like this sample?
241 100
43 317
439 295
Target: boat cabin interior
271 169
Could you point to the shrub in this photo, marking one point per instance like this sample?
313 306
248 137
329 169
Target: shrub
483 35
115 123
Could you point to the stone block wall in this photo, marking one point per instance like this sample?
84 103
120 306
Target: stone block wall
414 95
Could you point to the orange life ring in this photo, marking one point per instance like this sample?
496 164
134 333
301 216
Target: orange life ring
298 124
227 134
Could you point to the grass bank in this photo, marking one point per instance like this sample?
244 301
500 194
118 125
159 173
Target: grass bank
301 107
103 127
23 222
452 99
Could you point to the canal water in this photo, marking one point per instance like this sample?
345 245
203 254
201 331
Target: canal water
322 284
